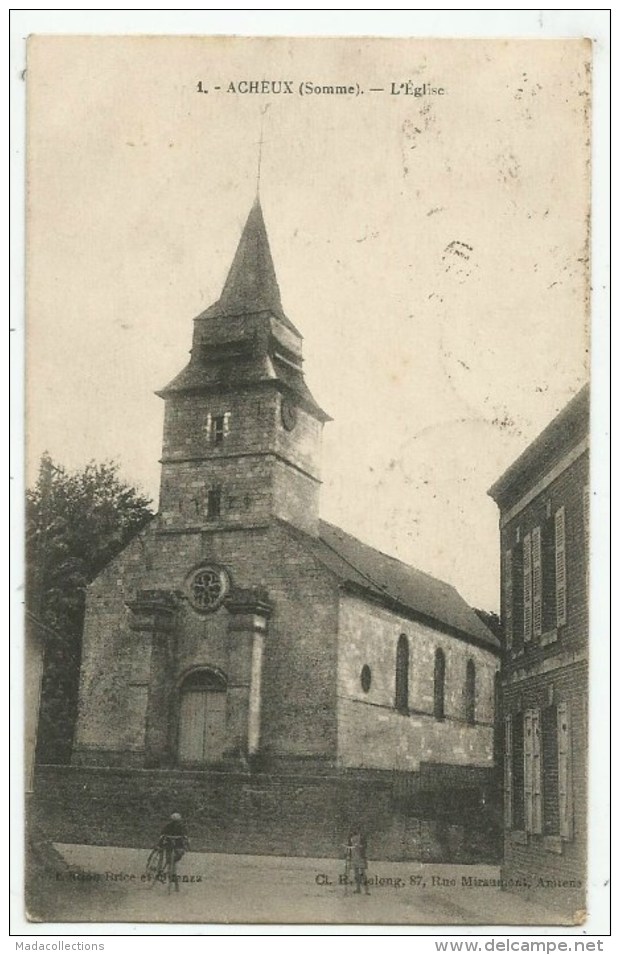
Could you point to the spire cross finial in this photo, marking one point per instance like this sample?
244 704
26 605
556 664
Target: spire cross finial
260 146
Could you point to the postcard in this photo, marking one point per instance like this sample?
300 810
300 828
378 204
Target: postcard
308 483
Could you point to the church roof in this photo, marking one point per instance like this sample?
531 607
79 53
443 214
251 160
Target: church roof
397 585
251 285
241 338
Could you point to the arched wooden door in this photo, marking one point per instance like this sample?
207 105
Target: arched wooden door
202 718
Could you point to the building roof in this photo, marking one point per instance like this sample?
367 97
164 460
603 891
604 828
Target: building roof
251 285
564 432
402 588
244 369
241 339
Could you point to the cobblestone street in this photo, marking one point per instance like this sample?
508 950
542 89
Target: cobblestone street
105 884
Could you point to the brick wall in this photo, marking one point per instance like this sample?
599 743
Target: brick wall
550 669
566 491
371 732
532 856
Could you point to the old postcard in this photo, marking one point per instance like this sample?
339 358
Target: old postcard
308 451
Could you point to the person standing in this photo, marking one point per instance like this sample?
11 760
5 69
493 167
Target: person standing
357 859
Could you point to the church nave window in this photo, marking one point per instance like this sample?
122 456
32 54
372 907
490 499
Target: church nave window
439 685
402 675
470 692
365 678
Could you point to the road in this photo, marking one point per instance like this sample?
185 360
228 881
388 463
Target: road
104 883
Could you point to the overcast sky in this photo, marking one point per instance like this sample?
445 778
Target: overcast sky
432 250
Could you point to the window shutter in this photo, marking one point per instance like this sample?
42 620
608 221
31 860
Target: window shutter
508 597
528 753
586 533
527 587
537 581
565 771
227 424
536 774
209 427
560 568
507 772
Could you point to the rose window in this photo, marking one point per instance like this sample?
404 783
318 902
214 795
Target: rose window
207 588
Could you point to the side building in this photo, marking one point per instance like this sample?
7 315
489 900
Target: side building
543 501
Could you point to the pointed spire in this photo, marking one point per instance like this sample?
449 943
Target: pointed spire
251 285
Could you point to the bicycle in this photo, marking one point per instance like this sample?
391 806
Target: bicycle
161 865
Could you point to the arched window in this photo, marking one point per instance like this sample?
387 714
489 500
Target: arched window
202 717
470 692
401 701
439 685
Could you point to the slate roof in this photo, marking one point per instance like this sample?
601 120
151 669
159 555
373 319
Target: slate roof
397 585
251 289
568 427
251 285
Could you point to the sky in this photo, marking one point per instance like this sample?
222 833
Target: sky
432 250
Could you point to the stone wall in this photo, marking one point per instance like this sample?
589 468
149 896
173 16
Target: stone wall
248 464
371 731
299 683
278 814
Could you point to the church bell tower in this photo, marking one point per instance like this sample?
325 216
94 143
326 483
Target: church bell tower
242 432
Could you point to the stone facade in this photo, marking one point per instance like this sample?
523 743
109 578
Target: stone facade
230 635
543 501
372 732
119 663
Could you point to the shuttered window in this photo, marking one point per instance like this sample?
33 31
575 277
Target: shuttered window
565 771
586 530
527 768
532 783
548 575
518 777
551 798
536 773
508 772
508 617
537 570
560 567
527 588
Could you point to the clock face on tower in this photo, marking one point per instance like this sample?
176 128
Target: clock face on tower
288 413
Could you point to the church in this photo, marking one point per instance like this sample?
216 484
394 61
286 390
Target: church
241 638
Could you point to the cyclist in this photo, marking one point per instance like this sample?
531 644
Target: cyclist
174 836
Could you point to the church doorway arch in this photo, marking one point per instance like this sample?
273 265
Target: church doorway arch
202 717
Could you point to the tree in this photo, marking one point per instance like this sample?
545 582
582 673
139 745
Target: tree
76 522
491 620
